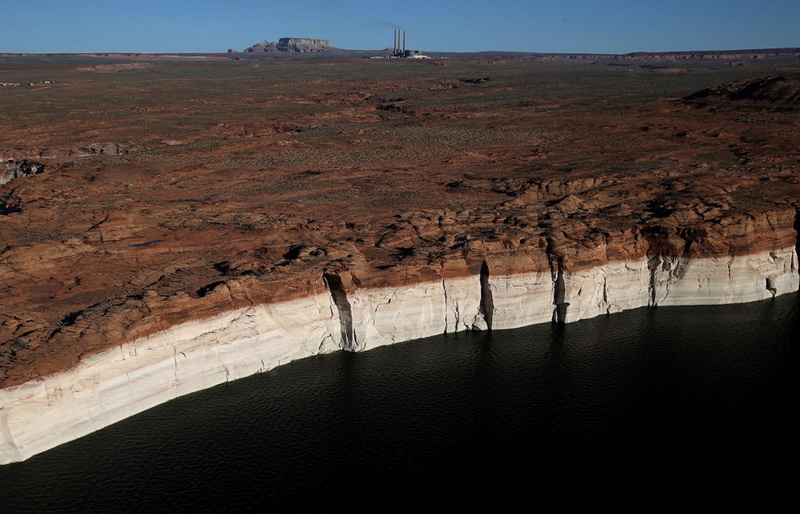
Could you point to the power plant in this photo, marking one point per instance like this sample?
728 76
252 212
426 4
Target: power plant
399 47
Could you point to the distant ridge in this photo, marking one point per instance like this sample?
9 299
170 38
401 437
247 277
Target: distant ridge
776 93
306 47
743 54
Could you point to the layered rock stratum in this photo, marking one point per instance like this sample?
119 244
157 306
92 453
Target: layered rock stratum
240 215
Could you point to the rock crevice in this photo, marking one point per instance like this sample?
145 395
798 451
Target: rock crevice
333 283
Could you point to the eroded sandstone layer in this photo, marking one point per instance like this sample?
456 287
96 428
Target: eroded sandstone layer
238 215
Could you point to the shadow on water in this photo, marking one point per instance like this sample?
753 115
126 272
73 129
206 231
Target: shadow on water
663 399
557 340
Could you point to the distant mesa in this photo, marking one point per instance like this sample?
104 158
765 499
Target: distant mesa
291 45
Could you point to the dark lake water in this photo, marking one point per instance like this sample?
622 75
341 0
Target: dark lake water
657 403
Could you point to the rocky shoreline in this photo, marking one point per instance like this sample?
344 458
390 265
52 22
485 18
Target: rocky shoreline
194 355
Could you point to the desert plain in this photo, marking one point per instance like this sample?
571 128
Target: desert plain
141 191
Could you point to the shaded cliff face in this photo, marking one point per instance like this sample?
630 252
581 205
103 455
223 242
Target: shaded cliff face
343 177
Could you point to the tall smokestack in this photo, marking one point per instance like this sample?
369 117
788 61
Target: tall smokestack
404 42
394 42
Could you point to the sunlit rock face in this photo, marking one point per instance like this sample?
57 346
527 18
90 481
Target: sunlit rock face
192 356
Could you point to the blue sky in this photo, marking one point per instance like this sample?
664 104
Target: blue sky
609 26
